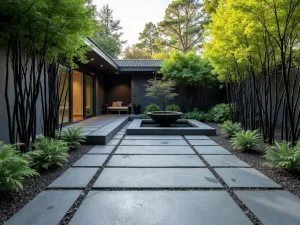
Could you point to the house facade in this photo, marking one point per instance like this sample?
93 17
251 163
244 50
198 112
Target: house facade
92 87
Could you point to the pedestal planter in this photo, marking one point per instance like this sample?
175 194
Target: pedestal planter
136 109
164 119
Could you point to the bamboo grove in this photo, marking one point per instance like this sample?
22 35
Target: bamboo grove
38 36
254 48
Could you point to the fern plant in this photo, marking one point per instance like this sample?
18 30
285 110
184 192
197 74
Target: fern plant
49 153
150 108
73 136
229 129
245 140
283 155
14 168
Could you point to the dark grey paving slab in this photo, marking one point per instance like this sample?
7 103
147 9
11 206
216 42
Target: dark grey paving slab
49 207
196 137
224 161
100 149
212 150
91 160
245 178
153 137
156 161
272 207
160 150
156 178
202 142
74 178
159 208
154 142
113 142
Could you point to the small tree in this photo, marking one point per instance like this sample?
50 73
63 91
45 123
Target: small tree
163 91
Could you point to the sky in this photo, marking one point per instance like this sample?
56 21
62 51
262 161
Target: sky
134 14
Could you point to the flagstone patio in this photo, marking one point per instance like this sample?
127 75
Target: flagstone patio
160 180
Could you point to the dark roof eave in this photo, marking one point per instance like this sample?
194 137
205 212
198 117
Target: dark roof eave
137 69
101 53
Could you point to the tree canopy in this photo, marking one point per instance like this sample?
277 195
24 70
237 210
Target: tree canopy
108 32
148 39
187 69
134 52
183 25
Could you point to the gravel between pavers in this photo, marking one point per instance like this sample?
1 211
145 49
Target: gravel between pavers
288 180
14 201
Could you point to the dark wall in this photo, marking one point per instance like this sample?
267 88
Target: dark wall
4 136
117 88
100 94
138 80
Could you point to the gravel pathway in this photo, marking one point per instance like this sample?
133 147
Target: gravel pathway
288 180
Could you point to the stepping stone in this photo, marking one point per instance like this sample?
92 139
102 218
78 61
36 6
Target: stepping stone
156 178
91 160
49 207
153 137
196 137
156 161
154 142
113 142
100 149
159 208
272 207
245 178
202 142
74 178
118 136
159 150
224 161
212 150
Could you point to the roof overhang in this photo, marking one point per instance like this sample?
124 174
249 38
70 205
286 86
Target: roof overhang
137 69
102 54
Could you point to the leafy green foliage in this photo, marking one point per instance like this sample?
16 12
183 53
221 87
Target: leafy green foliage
220 113
133 52
160 90
173 108
229 129
73 136
197 115
49 153
283 155
150 108
187 69
14 168
245 140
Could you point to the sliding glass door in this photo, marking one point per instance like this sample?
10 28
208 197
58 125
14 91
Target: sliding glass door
89 95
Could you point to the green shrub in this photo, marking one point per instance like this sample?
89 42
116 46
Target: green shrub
245 140
150 108
14 168
197 115
49 153
229 129
220 113
173 108
283 155
73 136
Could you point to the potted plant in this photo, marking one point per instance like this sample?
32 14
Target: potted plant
136 107
162 91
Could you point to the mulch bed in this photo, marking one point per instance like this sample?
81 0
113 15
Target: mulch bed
288 180
12 202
